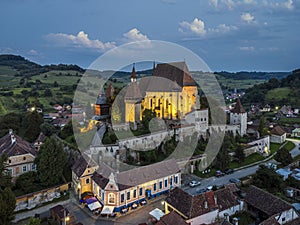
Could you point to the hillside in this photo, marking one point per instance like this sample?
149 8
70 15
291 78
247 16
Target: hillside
276 92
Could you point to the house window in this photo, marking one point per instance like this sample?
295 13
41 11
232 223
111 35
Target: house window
283 219
33 167
171 181
87 181
128 195
166 183
122 197
154 187
24 158
111 198
160 184
10 172
24 169
134 193
103 196
9 161
176 179
141 191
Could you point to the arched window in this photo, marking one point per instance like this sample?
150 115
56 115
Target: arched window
111 198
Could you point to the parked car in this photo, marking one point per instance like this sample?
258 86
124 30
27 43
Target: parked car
219 173
194 183
234 180
199 191
229 171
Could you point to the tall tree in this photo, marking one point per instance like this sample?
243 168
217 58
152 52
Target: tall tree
268 179
5 178
7 197
239 153
32 122
147 116
50 162
284 156
7 206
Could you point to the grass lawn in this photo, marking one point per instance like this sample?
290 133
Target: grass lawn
278 93
249 160
274 147
289 120
289 145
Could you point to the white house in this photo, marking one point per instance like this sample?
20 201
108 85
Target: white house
278 135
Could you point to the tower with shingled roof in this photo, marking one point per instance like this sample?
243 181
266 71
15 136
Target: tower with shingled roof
238 116
133 99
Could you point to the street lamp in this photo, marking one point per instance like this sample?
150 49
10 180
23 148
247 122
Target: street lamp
66 218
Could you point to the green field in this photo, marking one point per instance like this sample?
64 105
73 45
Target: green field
278 93
239 84
68 77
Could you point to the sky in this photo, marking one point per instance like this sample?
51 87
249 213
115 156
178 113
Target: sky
231 35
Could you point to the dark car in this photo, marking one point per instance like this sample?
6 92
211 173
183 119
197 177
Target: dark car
199 191
235 181
229 171
219 173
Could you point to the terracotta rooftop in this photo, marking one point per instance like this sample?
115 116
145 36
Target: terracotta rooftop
194 206
277 131
13 145
238 108
265 202
172 218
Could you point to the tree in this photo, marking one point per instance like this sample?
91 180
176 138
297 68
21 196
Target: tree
239 153
7 206
262 129
48 93
34 221
55 84
147 116
7 197
283 156
50 162
26 181
5 178
32 122
48 129
268 179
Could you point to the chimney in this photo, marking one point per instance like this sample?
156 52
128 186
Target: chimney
205 205
235 221
13 139
10 131
216 200
226 216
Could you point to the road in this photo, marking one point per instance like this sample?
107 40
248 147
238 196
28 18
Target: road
219 181
295 151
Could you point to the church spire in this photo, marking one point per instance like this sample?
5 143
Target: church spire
133 74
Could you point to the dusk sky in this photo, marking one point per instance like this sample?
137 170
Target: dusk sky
227 34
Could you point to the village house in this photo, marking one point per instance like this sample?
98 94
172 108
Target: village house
296 133
269 209
21 154
205 208
278 135
117 190
171 219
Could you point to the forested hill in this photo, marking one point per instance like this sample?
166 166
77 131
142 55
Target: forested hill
25 68
244 75
276 92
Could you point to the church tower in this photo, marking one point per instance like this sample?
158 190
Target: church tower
133 99
238 116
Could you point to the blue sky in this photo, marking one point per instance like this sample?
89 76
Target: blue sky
230 35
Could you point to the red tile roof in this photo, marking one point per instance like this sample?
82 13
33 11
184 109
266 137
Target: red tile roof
277 131
238 107
172 218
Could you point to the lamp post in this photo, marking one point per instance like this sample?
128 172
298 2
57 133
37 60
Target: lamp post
66 218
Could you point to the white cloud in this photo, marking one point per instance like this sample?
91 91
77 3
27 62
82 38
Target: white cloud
286 5
196 27
135 35
32 52
247 17
247 48
230 4
81 40
214 3
223 28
